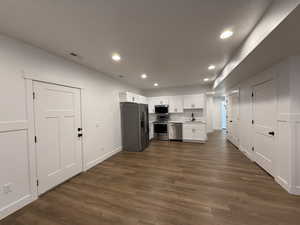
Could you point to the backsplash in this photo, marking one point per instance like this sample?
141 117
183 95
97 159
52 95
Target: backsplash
187 115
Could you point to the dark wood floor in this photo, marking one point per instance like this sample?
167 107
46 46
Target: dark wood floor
168 184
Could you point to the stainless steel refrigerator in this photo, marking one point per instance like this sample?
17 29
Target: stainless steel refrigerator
135 126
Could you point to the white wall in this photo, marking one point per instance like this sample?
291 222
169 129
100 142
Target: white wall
217 113
100 105
287 153
209 113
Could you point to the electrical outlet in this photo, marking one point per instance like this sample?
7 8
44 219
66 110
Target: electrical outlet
7 188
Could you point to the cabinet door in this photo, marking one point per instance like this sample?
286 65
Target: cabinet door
176 104
171 130
189 102
135 98
194 132
194 101
200 101
151 133
163 100
199 132
151 104
187 132
142 100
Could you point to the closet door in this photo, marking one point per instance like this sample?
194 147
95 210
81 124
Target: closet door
264 116
58 132
233 118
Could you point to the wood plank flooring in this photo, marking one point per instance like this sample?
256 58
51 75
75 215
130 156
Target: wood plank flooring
168 184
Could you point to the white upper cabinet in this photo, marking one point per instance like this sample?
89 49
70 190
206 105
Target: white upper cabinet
176 104
194 101
132 97
153 101
143 100
162 100
151 104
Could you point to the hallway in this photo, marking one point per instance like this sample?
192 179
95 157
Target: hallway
171 183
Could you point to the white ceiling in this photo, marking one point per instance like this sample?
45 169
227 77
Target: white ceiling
173 41
281 43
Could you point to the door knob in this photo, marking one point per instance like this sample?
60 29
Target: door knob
79 135
272 133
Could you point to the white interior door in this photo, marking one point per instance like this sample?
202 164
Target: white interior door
264 115
57 119
233 118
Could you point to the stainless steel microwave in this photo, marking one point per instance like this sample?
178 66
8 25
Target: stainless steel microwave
161 109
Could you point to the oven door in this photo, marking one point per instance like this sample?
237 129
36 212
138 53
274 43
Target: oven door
161 131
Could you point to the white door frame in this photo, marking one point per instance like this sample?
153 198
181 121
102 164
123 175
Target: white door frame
32 132
260 80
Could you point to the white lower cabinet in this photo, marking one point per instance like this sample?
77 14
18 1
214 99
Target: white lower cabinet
194 132
151 131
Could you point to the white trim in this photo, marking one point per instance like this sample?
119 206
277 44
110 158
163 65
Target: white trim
16 205
31 134
295 190
194 141
283 183
83 126
9 126
6 126
247 154
65 84
95 162
289 117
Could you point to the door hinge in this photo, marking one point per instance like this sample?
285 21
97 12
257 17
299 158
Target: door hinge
33 95
252 121
252 149
35 139
252 95
37 183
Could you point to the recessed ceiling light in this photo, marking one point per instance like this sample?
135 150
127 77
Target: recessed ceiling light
155 84
226 34
206 79
212 67
116 57
144 76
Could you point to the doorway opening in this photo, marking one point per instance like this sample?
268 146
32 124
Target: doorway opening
223 115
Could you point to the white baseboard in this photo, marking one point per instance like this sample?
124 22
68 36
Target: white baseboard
107 155
246 153
15 206
295 190
194 141
283 183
